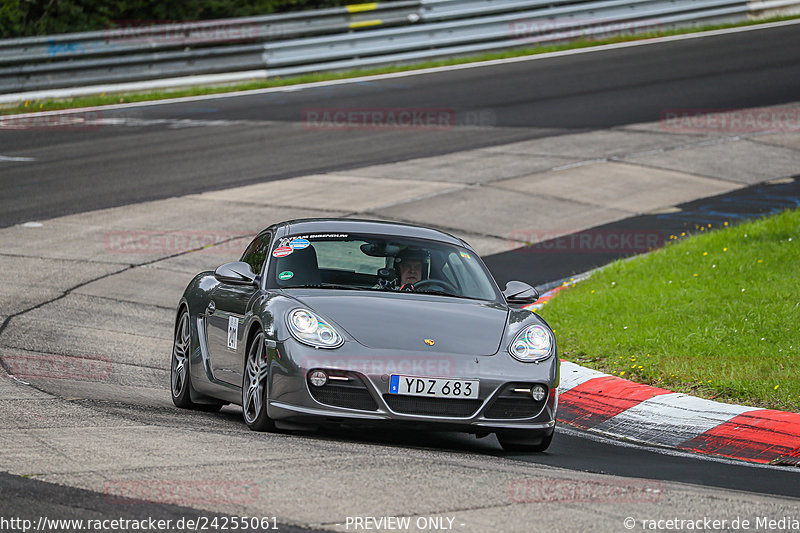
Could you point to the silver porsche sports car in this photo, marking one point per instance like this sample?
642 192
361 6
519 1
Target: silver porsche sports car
356 322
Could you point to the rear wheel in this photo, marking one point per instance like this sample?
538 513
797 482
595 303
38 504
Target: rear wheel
525 441
254 404
181 382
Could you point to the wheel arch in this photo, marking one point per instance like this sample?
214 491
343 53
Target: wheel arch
182 305
255 328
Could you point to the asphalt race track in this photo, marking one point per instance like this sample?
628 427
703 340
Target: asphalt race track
27 497
264 136
167 150
554 261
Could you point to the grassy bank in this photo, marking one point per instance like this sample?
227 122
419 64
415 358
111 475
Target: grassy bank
107 99
716 315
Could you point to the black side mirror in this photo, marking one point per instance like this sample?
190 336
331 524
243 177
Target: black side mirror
236 273
518 292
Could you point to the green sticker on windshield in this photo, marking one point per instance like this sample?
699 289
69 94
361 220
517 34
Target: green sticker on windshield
286 274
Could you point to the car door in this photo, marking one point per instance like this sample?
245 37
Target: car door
228 309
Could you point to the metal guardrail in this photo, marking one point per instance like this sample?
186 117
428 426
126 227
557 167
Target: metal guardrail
438 10
513 29
151 38
333 39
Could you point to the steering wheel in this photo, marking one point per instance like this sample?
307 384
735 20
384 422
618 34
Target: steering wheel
446 285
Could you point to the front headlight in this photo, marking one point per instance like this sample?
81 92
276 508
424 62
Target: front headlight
532 344
309 328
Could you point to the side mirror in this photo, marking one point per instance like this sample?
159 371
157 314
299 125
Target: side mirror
237 273
518 292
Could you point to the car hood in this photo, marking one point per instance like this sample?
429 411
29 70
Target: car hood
402 321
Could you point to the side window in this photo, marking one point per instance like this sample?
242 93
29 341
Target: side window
461 276
256 252
447 274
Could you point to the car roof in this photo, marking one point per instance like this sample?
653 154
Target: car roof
347 225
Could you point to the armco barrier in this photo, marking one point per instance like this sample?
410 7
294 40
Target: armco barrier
523 28
178 35
339 38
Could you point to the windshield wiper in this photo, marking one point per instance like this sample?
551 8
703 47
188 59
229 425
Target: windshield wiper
443 293
328 286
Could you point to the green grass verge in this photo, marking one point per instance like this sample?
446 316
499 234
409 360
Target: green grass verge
106 99
715 315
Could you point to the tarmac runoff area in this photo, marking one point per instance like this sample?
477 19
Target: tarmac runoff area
88 306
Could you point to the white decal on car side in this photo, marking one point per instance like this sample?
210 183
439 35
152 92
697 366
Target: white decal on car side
233 331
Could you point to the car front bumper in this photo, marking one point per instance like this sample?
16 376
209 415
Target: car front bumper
360 394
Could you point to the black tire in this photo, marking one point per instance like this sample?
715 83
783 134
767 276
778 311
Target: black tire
254 404
525 441
179 368
180 377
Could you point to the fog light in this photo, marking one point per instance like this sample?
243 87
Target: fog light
538 392
318 378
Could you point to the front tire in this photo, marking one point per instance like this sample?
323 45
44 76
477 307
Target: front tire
180 379
525 441
254 404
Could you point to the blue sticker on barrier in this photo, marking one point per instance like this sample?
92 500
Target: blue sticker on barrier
299 244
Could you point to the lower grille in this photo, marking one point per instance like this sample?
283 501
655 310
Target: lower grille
352 394
414 405
510 404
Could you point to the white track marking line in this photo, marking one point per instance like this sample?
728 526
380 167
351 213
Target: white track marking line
10 158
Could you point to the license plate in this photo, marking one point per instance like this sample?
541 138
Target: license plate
433 387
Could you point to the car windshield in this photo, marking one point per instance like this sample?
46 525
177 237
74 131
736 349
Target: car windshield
379 263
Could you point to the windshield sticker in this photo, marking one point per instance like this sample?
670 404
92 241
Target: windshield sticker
465 255
299 244
282 251
286 274
289 240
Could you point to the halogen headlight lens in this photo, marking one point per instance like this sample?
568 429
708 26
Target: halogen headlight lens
532 344
304 321
309 328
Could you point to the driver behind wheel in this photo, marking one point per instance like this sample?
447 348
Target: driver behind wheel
411 265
